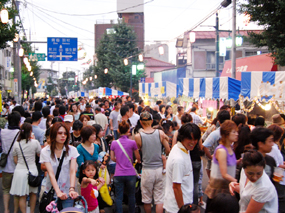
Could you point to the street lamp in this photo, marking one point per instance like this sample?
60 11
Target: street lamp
126 62
105 70
90 78
4 16
31 74
21 52
95 76
141 57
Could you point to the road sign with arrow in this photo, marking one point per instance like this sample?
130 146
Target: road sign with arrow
62 49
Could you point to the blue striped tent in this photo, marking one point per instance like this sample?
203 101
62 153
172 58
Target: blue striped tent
155 89
263 85
210 88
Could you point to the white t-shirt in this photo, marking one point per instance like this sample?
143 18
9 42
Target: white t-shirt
101 119
178 170
134 119
64 175
262 191
276 154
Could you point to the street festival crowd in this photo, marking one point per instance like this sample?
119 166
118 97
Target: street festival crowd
116 150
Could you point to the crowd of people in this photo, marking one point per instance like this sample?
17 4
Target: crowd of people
144 155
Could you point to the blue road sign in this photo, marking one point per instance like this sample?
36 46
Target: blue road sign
62 49
142 80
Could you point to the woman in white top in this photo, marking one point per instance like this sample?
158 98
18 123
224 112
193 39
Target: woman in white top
257 193
177 118
20 187
50 155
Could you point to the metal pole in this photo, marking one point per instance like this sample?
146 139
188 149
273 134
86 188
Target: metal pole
19 76
131 80
234 41
217 46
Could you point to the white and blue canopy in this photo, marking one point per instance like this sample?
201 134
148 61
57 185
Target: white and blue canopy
155 89
210 88
105 91
263 85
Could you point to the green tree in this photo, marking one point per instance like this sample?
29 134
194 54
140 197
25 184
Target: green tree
7 31
27 79
112 50
269 14
49 85
67 82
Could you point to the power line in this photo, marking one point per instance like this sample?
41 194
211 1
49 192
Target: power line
68 14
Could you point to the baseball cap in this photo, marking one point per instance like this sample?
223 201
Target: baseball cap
68 118
145 116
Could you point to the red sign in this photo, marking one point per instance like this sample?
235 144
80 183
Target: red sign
15 80
249 64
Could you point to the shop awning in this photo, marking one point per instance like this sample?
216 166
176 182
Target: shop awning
249 64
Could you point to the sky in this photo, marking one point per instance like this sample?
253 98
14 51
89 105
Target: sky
165 20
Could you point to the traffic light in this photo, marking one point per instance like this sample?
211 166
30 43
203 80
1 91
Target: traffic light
226 3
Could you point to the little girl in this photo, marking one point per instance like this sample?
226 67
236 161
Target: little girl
90 185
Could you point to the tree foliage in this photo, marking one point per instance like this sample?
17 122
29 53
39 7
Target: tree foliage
27 80
7 31
66 83
112 50
269 14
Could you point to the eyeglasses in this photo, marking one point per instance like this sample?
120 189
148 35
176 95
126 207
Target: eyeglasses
62 133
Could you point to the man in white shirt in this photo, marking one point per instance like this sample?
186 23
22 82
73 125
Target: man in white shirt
179 172
101 119
114 119
12 106
7 137
134 117
196 118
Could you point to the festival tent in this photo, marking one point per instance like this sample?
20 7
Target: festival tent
105 91
263 85
158 89
210 88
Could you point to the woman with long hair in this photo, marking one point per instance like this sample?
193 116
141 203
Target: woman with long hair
125 175
20 187
223 168
74 111
177 118
168 113
51 155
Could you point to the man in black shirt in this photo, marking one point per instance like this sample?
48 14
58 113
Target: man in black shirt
75 136
88 111
141 106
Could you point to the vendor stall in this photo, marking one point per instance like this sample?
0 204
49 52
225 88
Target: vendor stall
158 89
210 88
105 91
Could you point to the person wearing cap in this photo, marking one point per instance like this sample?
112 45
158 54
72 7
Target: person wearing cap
88 111
68 120
150 142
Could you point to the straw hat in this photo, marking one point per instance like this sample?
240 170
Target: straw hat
277 119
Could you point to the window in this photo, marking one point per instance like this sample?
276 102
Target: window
211 61
6 74
136 17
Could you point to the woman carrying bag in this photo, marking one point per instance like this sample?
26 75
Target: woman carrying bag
25 150
125 174
61 181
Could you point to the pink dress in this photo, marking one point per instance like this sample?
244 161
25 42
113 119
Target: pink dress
88 194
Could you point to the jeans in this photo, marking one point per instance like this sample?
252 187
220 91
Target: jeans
196 173
116 134
128 183
67 203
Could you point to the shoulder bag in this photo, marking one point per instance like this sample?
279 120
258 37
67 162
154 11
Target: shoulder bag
33 180
124 151
4 156
47 197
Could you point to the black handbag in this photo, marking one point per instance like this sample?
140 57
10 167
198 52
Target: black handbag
47 197
33 180
4 156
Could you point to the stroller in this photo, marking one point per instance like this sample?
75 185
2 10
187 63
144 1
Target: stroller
73 209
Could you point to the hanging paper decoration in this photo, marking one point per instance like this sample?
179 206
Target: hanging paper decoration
83 57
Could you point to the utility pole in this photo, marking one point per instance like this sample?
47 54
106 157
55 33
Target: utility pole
17 62
234 41
217 46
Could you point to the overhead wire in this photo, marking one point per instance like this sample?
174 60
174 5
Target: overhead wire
115 11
